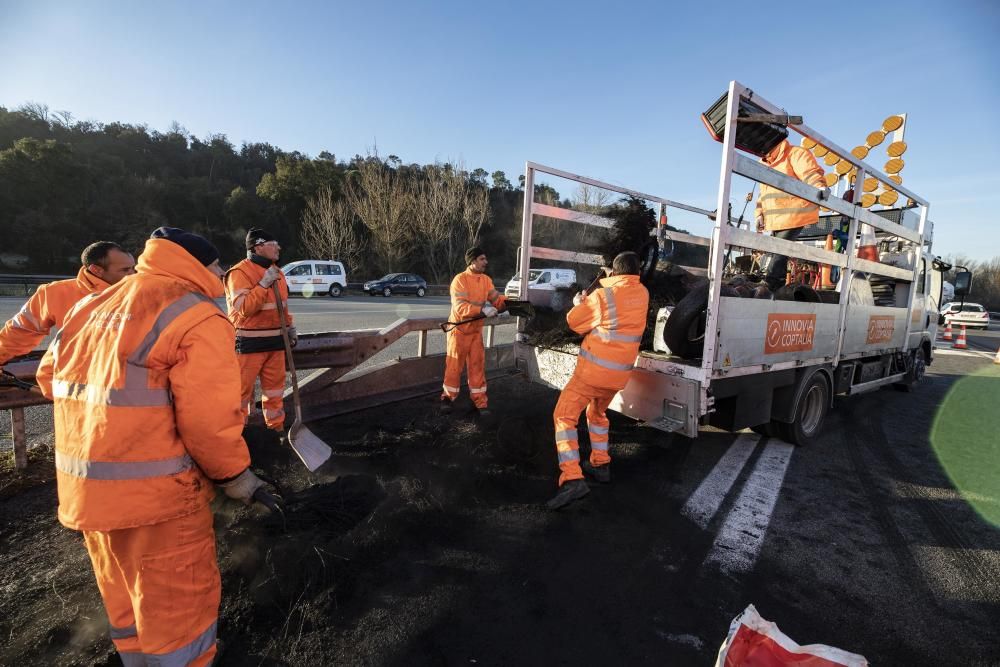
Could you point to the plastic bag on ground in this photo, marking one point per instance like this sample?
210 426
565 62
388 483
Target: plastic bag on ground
755 642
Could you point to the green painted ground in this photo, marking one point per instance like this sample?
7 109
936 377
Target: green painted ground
966 437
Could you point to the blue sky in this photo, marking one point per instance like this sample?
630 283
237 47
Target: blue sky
609 90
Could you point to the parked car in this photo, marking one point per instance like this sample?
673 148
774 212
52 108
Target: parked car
310 277
971 315
542 279
397 283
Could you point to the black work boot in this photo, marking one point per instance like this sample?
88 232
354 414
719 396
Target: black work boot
568 492
600 474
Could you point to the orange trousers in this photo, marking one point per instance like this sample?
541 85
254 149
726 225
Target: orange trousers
270 367
465 349
161 588
576 396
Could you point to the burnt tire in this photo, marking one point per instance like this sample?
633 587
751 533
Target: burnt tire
802 293
811 405
648 258
684 332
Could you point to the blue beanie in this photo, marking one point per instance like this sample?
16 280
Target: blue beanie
199 248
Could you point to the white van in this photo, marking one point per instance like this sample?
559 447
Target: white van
312 277
542 279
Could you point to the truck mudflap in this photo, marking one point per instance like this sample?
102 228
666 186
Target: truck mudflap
669 403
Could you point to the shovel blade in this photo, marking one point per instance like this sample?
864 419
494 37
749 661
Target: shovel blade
313 451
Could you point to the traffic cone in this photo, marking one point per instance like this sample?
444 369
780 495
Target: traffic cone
825 281
960 344
947 332
868 247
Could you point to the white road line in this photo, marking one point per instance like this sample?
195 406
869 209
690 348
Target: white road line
705 501
739 541
963 353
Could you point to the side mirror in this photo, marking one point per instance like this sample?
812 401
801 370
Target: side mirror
963 283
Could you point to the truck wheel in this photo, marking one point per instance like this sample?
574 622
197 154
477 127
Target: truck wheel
810 411
684 332
335 290
916 373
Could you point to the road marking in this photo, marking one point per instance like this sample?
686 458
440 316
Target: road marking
963 353
706 499
739 541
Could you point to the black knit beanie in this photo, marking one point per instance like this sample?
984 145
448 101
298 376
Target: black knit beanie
472 253
199 248
257 236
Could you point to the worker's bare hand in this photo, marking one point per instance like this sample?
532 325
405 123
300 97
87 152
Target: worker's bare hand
270 276
293 336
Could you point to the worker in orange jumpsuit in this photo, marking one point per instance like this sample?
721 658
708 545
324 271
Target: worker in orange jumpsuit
104 263
612 319
782 214
472 295
144 382
254 313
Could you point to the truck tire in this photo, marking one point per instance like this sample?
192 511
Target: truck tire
810 411
684 332
917 369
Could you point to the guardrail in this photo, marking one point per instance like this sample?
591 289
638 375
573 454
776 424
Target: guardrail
12 284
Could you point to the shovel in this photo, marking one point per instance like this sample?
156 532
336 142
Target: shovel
313 451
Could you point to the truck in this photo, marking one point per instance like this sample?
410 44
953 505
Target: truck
773 366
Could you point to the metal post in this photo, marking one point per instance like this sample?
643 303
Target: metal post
526 219
847 273
720 234
422 343
20 441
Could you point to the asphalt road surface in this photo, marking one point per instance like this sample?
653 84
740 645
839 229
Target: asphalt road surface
880 538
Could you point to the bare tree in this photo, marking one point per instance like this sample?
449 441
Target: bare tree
330 229
449 209
379 198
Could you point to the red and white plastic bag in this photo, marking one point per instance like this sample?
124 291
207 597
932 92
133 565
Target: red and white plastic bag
755 642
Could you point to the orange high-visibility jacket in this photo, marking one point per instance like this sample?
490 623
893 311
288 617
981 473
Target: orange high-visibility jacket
146 394
779 209
613 319
44 310
471 291
252 309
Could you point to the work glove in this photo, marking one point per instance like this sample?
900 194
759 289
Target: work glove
270 276
578 299
824 194
293 336
242 487
490 311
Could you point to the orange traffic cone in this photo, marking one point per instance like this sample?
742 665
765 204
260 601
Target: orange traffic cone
960 344
825 281
947 333
868 247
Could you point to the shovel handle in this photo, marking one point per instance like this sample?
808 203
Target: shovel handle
448 326
288 350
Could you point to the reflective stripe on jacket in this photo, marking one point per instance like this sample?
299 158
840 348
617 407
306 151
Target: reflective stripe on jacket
613 319
779 209
146 394
44 311
471 291
252 309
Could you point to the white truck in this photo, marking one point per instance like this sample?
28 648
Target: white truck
773 366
